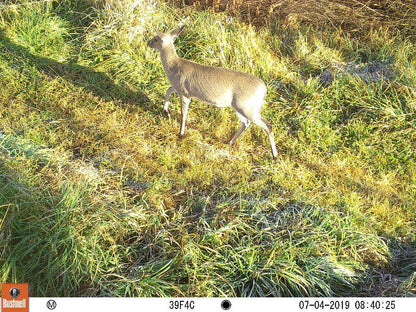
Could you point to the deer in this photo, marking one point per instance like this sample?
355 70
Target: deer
217 86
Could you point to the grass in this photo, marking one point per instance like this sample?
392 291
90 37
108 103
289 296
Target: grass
99 196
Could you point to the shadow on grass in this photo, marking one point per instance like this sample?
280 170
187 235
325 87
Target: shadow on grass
98 83
398 277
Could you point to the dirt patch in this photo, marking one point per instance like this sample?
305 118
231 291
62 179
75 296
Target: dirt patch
372 72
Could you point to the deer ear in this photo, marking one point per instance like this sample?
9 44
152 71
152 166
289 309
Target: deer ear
177 31
161 36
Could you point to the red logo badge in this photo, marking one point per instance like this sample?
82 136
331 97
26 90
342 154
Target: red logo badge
14 297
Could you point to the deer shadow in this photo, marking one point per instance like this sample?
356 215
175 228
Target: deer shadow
98 83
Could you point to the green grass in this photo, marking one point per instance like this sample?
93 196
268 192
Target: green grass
99 196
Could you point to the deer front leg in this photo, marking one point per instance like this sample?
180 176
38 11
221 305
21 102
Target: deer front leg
184 109
167 102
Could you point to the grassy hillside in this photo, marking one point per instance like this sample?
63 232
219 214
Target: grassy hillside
99 196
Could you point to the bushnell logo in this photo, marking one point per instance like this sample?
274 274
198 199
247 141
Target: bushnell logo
14 292
15 297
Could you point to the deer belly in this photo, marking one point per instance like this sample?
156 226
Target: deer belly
218 99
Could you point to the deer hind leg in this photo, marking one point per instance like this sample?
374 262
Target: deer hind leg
245 123
265 125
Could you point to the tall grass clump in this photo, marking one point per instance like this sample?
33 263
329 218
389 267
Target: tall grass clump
99 196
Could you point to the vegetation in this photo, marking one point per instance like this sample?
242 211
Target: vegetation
99 196
354 16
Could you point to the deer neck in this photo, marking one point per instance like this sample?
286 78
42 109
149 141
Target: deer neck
169 56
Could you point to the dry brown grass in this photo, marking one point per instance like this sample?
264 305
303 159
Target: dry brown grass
354 16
